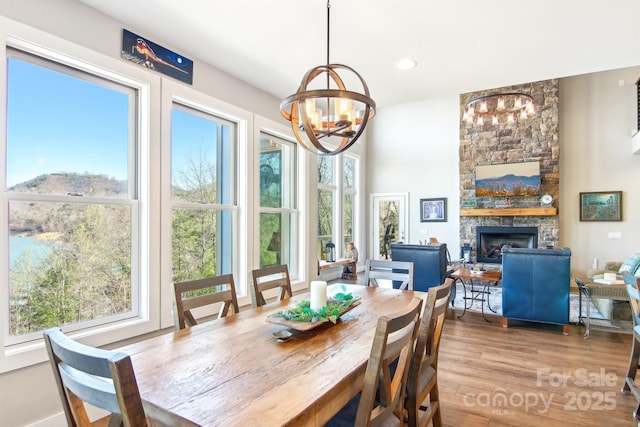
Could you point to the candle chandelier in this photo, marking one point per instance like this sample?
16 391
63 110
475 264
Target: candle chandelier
328 111
498 108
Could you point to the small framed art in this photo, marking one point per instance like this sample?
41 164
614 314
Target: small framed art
601 206
433 210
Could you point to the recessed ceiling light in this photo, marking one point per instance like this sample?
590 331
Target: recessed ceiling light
407 64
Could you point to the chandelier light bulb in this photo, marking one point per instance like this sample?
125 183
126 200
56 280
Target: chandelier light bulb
500 106
494 120
480 120
483 107
517 103
510 118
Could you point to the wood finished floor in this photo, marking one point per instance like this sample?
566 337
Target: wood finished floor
580 379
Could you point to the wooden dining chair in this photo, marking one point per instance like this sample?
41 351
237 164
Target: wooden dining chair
422 383
102 378
384 387
630 385
196 293
382 269
273 277
380 402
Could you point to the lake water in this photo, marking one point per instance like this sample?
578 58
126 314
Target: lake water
19 244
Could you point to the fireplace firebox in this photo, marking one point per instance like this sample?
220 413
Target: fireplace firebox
490 241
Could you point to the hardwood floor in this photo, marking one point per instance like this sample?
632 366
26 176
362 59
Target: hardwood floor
531 375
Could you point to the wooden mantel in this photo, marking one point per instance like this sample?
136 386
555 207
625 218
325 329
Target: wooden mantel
510 212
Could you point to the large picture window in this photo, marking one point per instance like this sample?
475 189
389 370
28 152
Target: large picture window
278 211
337 203
71 189
203 193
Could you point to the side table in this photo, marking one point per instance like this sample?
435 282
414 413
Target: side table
467 278
591 289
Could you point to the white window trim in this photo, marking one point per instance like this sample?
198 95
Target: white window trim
31 40
173 91
301 273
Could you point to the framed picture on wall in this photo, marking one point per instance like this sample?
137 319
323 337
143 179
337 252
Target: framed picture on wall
433 210
601 206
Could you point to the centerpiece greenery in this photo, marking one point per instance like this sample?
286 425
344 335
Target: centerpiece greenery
302 311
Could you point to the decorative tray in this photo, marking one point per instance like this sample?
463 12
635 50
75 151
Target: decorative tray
306 326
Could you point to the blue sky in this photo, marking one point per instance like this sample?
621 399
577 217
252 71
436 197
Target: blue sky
57 123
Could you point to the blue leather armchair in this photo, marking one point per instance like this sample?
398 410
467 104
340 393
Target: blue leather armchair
429 263
535 285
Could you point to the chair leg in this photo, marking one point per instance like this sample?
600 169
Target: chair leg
634 359
435 406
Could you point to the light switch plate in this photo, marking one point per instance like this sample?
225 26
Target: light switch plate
615 235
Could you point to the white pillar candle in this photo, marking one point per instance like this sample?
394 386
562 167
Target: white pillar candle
318 295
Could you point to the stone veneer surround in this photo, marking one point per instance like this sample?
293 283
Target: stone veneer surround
535 138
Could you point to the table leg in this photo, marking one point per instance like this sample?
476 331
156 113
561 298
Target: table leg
489 295
464 298
587 328
476 295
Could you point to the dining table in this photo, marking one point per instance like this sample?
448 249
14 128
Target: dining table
233 371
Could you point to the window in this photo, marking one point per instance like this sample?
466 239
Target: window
278 205
337 197
348 200
203 193
326 195
71 189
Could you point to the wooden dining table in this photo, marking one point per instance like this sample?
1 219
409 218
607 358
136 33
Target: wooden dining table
232 371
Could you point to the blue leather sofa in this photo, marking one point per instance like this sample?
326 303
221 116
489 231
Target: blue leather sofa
535 285
429 263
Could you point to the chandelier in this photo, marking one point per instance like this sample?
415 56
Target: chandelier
498 107
328 111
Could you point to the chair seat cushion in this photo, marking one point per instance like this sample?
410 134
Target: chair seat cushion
631 264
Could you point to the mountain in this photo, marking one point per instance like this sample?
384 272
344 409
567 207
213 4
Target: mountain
30 218
71 184
508 185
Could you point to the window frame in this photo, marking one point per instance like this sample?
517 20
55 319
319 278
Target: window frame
23 38
289 200
298 266
172 93
339 190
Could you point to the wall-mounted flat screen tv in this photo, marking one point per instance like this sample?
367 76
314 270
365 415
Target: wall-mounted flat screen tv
509 179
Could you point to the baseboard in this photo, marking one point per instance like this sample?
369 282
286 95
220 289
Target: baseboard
59 420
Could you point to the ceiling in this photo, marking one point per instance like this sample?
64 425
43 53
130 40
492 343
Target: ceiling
460 45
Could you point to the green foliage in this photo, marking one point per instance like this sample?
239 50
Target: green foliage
85 273
302 311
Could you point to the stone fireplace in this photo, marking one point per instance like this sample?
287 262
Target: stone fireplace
533 139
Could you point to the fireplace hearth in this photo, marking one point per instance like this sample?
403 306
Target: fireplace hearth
490 241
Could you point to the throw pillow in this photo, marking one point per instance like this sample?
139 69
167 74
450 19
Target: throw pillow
631 264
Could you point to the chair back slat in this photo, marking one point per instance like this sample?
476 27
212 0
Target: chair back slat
380 269
267 278
215 289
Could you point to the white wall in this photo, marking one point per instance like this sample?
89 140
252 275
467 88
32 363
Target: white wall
597 116
413 148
